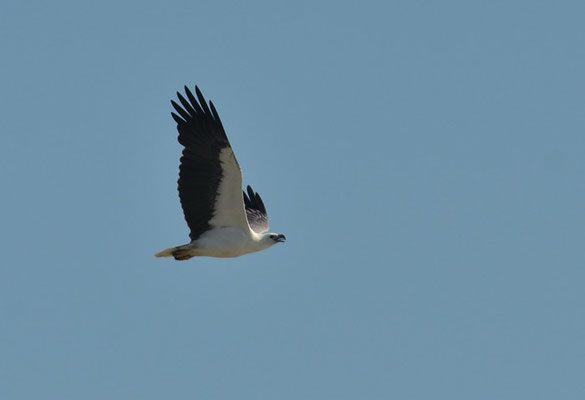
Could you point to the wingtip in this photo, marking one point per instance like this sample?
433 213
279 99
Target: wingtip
202 101
251 192
177 119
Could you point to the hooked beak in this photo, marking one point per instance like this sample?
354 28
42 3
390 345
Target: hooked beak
281 238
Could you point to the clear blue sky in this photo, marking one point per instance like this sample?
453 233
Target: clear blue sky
426 161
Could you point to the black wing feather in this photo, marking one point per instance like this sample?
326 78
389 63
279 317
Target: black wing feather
200 171
184 114
188 107
255 211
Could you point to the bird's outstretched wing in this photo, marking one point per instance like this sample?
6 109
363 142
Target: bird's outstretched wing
210 178
256 211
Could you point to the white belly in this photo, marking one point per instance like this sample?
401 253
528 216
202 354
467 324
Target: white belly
226 242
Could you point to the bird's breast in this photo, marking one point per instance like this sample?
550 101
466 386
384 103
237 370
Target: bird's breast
226 242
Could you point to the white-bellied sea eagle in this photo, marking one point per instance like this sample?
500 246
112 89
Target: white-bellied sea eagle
224 220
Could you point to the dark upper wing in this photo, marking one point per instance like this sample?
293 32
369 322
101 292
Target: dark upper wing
256 211
210 179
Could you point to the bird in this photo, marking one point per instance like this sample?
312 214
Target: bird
223 219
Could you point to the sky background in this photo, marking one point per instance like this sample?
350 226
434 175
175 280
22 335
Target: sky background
426 161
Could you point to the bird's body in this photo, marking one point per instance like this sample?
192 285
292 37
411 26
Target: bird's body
224 221
221 242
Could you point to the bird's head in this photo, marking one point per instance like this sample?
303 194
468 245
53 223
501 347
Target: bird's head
276 237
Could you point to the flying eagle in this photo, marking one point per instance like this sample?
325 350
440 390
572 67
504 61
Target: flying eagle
224 221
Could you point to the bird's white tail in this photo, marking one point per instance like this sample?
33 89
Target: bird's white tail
183 252
166 252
